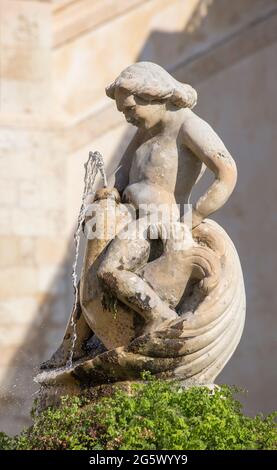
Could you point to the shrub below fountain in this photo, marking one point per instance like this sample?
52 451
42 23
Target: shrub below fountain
154 415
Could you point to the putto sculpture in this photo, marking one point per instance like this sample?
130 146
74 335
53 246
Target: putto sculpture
162 293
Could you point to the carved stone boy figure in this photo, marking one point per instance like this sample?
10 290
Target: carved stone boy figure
179 312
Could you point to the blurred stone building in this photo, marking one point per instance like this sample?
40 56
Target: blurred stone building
56 59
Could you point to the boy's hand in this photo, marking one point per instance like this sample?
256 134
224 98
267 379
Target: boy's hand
107 193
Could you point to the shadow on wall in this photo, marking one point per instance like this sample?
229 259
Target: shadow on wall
45 334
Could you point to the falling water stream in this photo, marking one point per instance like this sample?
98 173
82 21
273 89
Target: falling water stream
94 164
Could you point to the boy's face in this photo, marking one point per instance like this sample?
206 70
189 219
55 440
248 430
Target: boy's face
137 111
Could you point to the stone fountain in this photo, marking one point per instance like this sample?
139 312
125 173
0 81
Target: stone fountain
161 287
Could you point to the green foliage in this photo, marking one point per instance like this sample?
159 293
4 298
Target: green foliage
156 415
5 442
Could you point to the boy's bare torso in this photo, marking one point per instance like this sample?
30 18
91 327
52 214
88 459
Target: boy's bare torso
163 169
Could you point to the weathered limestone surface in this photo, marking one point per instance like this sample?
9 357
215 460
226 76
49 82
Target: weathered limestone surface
168 297
33 239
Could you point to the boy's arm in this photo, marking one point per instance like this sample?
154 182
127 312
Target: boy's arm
205 144
122 172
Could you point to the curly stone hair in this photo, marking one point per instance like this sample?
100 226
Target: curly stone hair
151 82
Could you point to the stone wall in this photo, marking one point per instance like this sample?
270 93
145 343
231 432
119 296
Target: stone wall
32 205
56 59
